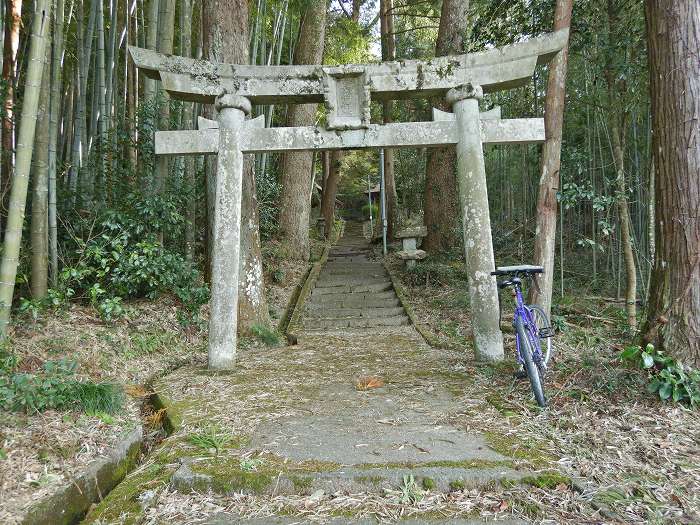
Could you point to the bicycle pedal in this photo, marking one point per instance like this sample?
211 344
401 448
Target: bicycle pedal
546 332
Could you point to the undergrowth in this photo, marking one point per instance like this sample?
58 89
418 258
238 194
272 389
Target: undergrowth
54 385
668 378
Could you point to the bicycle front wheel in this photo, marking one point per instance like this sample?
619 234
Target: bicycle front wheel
533 371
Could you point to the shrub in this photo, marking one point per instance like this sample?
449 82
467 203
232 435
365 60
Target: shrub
125 259
265 334
375 211
438 272
668 378
54 386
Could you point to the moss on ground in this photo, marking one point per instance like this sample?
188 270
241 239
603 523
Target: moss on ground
122 504
429 483
547 480
515 448
457 484
228 475
465 464
499 403
373 480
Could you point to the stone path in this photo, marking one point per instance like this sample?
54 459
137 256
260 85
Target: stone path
352 291
299 425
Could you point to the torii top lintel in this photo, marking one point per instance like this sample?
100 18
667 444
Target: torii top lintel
495 69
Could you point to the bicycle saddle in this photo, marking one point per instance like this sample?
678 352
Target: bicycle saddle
519 269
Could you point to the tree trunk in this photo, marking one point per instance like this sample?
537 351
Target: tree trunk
546 229
225 34
165 46
149 86
296 167
188 121
673 314
55 109
100 72
13 21
441 210
39 239
25 146
388 54
618 119
625 224
330 190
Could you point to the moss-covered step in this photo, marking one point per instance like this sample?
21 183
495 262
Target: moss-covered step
275 475
231 519
72 501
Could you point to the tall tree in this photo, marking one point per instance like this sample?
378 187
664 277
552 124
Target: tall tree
55 108
673 315
441 211
225 39
188 122
12 23
296 167
330 190
546 230
388 54
40 190
165 45
619 116
25 147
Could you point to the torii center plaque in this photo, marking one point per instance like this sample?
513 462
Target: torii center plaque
347 91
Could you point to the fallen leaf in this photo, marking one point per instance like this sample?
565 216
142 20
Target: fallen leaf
369 382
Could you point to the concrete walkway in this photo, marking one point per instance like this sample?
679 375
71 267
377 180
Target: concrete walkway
351 410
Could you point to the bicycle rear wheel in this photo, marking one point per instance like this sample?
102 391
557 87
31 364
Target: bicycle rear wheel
542 323
533 371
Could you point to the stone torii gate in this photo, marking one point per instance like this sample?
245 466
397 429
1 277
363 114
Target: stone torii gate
347 91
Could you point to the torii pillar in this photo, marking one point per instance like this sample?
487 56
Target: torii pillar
476 223
223 319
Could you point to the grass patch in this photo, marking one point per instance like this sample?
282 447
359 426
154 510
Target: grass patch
516 449
457 484
266 335
212 438
547 480
54 385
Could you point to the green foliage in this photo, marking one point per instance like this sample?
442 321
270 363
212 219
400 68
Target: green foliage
437 272
54 386
668 378
251 464
268 192
375 211
210 438
410 492
265 334
123 258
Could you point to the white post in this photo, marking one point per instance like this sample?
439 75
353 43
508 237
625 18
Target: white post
382 197
223 320
369 199
478 247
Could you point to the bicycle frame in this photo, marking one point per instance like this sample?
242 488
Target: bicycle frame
523 313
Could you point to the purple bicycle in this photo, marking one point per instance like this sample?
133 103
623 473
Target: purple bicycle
533 333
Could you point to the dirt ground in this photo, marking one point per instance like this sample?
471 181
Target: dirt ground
620 454
39 452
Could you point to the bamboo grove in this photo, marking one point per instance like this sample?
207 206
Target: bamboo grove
95 115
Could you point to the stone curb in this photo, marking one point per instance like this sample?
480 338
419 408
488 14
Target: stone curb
72 501
577 485
294 326
423 330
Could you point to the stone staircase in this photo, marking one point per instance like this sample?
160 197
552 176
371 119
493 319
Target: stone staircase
352 291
